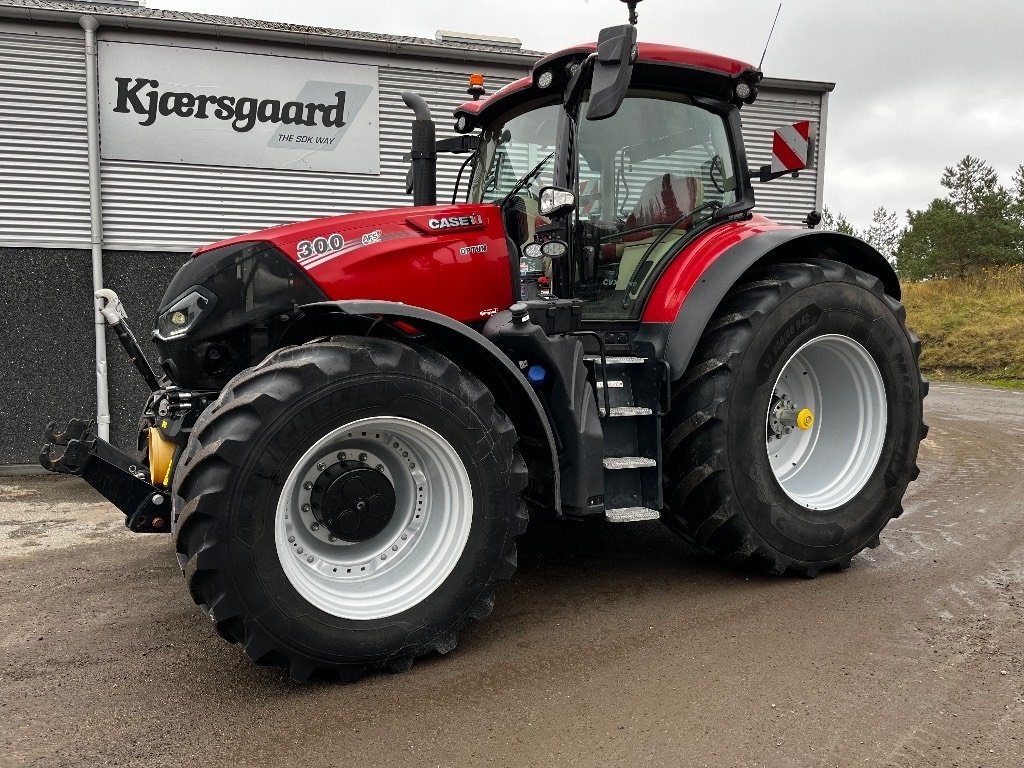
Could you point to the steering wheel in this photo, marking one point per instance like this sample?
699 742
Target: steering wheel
717 167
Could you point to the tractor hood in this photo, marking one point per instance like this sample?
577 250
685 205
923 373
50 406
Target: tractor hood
227 306
452 259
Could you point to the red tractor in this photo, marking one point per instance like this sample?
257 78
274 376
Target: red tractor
353 418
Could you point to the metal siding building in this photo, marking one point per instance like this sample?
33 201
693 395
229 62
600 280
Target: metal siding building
154 212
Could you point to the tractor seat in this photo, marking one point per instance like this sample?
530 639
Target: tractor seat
662 201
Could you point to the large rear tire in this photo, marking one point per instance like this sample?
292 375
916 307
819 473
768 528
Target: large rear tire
794 433
347 506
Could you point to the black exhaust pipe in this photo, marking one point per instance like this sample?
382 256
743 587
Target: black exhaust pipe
424 151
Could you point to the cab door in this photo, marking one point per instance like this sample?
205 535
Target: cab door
647 179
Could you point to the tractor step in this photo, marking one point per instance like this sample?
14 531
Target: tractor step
631 514
628 462
622 411
616 360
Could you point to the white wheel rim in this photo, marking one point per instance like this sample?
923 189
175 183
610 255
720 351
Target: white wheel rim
827 465
420 546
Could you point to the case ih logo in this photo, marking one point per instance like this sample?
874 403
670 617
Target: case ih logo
143 98
456 222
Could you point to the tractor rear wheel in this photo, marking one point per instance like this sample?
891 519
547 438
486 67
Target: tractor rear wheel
349 505
794 433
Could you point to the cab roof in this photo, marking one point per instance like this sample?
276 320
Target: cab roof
686 69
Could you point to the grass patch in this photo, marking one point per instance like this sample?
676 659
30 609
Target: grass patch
972 328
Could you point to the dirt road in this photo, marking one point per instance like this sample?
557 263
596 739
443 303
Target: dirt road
614 647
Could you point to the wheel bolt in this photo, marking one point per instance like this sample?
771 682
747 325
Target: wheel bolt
384 557
305 507
380 467
315 527
308 484
332 537
394 547
341 455
291 539
299 550
321 466
309 559
395 445
362 457
405 536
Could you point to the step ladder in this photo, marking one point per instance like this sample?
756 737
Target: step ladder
632 436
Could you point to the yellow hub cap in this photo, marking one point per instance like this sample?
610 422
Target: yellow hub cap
805 419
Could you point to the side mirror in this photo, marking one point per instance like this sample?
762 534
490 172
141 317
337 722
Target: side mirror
612 71
554 201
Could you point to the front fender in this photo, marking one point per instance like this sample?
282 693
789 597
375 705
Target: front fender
471 352
690 290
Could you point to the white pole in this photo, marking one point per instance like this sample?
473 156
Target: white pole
89 24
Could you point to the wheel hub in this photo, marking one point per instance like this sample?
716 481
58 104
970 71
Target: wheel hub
353 501
783 416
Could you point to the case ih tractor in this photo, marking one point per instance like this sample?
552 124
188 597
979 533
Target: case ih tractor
354 417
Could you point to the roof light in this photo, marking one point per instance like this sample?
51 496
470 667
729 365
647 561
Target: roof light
462 124
545 78
743 91
476 85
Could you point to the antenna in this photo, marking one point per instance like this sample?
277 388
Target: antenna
766 42
631 4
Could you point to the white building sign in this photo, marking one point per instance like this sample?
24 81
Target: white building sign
189 105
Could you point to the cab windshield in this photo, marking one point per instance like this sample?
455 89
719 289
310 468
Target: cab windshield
511 150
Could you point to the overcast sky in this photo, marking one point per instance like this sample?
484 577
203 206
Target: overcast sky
919 83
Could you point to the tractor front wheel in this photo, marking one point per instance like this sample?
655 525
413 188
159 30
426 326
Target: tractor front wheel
795 431
348 505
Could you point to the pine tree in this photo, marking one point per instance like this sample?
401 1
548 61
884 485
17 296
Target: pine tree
977 225
885 232
835 222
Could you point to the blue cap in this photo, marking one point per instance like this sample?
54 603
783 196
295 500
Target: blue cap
536 374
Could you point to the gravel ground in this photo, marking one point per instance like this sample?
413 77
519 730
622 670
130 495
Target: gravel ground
611 646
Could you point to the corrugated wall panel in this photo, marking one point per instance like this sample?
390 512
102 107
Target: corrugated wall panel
786 200
44 193
165 206
168 206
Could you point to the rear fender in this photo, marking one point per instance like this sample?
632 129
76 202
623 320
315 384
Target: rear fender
467 349
674 333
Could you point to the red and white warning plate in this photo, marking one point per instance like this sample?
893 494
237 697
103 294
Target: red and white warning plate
793 146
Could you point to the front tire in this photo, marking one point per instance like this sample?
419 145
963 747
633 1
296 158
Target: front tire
348 506
820 344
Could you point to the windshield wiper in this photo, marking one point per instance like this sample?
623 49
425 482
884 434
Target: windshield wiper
526 179
712 204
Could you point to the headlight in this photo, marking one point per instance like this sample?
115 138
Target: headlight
184 314
554 249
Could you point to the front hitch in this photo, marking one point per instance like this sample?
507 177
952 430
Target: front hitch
77 450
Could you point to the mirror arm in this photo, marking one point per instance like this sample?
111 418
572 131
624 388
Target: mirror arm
764 174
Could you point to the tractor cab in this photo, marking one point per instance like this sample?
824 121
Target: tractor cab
600 186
